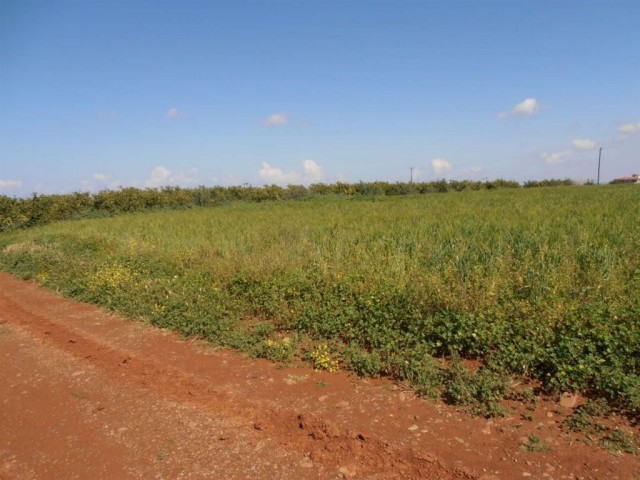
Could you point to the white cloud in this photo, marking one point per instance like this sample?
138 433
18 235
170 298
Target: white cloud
555 158
162 176
440 165
584 144
629 128
9 184
101 176
276 175
526 108
276 119
476 169
311 172
174 113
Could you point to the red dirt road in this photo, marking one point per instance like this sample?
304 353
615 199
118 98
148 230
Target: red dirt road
87 394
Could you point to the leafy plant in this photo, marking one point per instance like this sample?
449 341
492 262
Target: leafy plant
620 441
535 444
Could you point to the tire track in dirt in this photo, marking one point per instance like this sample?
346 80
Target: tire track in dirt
304 432
334 425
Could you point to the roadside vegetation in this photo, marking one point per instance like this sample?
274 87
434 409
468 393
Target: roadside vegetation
455 294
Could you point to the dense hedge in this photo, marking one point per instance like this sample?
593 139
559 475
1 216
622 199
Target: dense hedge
43 209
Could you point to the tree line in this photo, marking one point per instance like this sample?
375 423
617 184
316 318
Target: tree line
42 209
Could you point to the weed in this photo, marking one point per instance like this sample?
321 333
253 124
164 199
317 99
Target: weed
584 418
620 441
322 359
535 444
482 390
277 351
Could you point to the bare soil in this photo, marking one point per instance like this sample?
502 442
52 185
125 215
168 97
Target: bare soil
88 394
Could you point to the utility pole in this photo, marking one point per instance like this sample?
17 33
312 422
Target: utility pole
411 168
599 156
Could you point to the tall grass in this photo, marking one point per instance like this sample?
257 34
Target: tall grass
540 283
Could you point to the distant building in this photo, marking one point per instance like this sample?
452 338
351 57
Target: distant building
635 178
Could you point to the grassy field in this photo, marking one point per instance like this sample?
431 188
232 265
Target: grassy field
540 284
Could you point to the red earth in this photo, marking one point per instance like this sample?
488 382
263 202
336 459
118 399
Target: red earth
90 395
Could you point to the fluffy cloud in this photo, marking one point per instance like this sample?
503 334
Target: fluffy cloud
584 144
629 128
440 166
174 113
554 158
162 176
276 175
101 176
526 108
276 119
311 172
9 184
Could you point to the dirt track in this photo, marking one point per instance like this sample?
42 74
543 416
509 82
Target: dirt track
86 394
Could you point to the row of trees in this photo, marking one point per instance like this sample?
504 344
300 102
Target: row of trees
43 209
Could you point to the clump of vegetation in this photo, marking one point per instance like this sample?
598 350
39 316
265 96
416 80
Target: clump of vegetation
535 444
531 283
588 420
482 390
280 351
620 441
322 359
585 417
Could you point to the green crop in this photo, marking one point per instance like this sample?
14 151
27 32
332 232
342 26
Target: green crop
535 283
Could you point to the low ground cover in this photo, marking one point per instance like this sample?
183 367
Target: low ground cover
536 284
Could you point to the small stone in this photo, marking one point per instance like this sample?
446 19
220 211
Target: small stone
569 400
526 474
342 404
402 396
306 463
347 472
78 373
550 414
323 398
413 428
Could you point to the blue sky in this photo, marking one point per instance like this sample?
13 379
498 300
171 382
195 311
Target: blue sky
104 94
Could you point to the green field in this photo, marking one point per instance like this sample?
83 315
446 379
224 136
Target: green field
540 284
